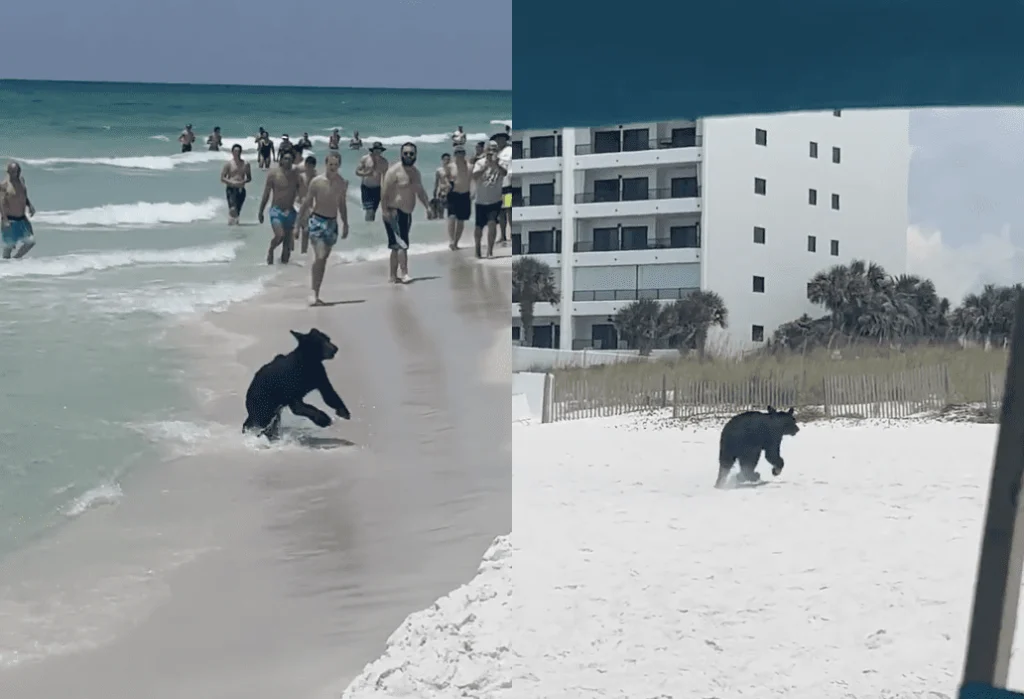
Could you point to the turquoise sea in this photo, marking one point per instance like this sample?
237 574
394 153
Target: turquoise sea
132 240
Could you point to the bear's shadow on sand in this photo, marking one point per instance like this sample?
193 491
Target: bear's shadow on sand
309 441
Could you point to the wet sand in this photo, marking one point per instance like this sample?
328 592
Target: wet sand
248 572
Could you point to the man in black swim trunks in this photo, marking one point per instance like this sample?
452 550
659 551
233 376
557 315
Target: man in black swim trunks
371 169
235 174
401 186
186 139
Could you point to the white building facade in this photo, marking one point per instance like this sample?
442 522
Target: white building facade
748 207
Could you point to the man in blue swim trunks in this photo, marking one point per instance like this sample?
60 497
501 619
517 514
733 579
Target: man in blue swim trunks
283 185
15 208
325 203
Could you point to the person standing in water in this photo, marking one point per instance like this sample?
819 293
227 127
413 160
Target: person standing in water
186 139
214 140
303 144
355 143
325 203
283 185
371 169
334 142
488 174
15 209
459 203
458 138
264 150
235 174
401 186
306 175
442 185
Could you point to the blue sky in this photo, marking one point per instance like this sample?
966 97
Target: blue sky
380 43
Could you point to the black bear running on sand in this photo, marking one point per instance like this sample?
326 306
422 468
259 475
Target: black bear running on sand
284 382
746 435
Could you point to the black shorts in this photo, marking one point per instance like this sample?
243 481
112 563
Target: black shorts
370 196
236 198
398 239
460 206
485 213
186 147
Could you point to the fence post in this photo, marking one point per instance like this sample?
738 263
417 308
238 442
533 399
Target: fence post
664 390
546 403
824 397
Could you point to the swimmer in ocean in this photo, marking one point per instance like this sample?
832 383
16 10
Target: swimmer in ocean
264 150
186 139
286 146
442 185
355 143
235 174
283 186
334 142
458 138
302 144
15 209
214 140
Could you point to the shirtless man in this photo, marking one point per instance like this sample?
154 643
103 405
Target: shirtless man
283 183
303 144
264 150
286 146
325 202
442 185
186 139
214 140
488 172
15 228
459 204
371 169
334 142
306 175
355 143
401 187
235 174
458 138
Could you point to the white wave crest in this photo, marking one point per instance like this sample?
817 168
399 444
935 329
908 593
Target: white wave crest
139 214
160 137
503 122
77 263
343 257
106 494
176 300
136 162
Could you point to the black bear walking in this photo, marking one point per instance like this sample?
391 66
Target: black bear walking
746 435
285 380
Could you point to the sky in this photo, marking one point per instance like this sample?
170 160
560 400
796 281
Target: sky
454 44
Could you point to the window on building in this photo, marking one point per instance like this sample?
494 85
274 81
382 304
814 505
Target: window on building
542 194
834 248
542 147
810 289
837 155
813 150
516 333
760 137
758 285
605 239
635 189
517 243
517 150
759 235
835 202
684 187
812 244
685 137
607 141
606 190
760 186
757 333
634 237
684 237
517 198
812 197
636 139
837 112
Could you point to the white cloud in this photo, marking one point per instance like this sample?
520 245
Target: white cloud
959 270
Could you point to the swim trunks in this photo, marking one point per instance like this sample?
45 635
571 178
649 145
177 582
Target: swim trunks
486 213
460 206
285 219
370 196
236 198
506 197
186 147
398 230
18 233
323 230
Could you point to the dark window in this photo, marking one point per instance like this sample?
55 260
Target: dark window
542 194
835 202
559 146
760 137
606 190
812 197
837 112
834 248
634 237
837 155
542 147
517 244
758 285
516 333
684 187
517 197
636 139
759 235
760 186
757 333
606 239
812 244
684 237
607 141
813 150
604 336
517 150
635 189
685 137
544 242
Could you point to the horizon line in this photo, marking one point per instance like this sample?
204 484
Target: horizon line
251 86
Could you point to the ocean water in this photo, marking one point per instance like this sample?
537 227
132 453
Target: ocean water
132 241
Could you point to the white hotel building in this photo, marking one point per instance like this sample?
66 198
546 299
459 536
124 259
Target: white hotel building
749 207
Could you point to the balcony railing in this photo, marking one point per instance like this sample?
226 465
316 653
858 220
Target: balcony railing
631 294
525 154
619 245
525 201
650 194
535 250
654 144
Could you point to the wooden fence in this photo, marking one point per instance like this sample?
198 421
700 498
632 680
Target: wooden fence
895 395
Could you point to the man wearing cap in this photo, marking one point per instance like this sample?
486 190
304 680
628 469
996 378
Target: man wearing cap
371 168
285 146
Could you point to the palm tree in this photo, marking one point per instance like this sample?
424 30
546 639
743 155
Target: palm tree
533 282
987 316
693 316
804 333
643 324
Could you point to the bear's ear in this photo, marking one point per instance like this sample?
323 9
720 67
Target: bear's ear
770 410
297 335
790 411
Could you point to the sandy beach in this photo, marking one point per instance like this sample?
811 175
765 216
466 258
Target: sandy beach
265 572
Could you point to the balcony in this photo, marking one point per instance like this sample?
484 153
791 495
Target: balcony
536 209
625 246
629 295
629 152
634 201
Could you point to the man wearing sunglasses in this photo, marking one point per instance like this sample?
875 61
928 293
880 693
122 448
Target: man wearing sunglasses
401 187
